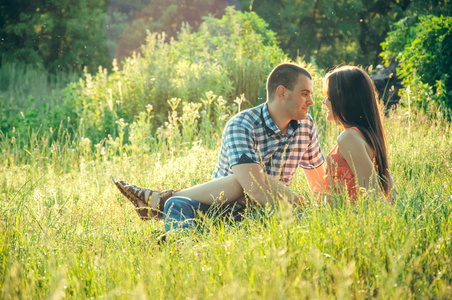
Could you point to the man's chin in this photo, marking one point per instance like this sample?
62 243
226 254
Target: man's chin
300 118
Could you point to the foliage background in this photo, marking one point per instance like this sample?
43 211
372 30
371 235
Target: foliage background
424 53
65 35
61 41
227 58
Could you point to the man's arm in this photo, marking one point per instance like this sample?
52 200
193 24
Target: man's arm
261 187
315 179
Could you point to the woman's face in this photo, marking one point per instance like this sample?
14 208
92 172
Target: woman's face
330 116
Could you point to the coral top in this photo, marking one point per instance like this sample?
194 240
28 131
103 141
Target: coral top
339 175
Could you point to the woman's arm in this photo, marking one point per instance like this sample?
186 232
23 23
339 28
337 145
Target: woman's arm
358 154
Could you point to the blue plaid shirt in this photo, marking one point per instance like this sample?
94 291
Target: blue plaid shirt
252 137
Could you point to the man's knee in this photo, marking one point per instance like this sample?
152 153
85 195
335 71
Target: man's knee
180 212
180 205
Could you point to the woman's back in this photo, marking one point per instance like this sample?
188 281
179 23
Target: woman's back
351 155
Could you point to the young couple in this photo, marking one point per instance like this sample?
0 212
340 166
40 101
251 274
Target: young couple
263 146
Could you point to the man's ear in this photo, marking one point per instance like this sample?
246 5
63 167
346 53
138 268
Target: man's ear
281 92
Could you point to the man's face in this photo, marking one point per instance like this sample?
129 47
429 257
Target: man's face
299 99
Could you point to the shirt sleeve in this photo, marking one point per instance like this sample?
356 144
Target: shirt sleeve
313 156
239 144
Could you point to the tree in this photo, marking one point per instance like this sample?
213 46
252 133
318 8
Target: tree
338 32
64 34
58 34
128 22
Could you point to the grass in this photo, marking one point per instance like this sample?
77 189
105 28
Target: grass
66 232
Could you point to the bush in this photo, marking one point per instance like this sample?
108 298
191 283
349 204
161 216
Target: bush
230 56
424 52
30 96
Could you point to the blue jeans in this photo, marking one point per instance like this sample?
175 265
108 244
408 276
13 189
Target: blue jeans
180 212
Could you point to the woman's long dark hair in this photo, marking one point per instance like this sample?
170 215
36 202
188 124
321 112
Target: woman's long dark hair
353 100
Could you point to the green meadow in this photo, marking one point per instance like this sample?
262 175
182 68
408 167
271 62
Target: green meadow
66 232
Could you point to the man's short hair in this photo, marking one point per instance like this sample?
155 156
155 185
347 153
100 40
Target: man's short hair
285 74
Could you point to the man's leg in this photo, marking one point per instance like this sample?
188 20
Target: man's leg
224 190
180 212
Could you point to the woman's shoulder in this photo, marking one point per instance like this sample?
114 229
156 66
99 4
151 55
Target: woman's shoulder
350 135
351 140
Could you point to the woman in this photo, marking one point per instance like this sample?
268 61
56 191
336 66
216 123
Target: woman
360 156
361 150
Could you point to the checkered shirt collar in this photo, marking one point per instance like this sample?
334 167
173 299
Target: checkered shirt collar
269 124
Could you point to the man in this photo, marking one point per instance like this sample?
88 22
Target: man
260 152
